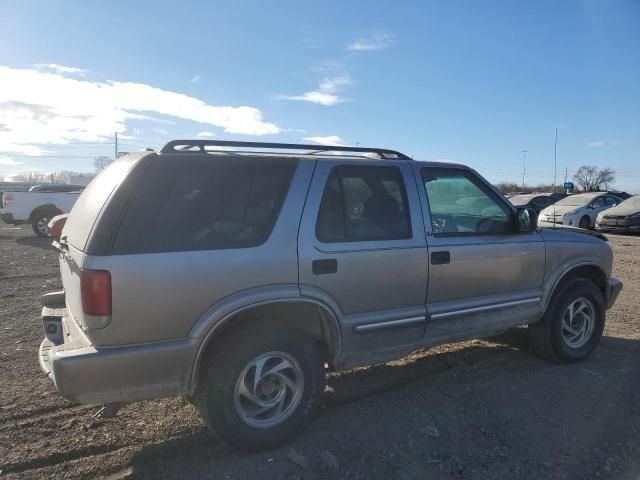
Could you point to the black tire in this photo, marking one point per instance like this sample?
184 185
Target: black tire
585 222
42 218
216 396
547 335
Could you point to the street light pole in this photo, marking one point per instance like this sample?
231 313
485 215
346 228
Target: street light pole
524 166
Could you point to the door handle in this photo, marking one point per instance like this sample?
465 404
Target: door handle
324 267
440 258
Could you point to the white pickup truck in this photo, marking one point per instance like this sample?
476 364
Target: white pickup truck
38 205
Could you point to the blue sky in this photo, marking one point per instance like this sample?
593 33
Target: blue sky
471 81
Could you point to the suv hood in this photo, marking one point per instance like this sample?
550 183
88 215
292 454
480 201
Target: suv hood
582 231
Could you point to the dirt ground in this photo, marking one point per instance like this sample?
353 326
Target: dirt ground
474 410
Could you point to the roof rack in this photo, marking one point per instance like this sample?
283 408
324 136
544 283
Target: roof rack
198 146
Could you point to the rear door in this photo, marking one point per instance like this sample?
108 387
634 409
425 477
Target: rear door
482 272
362 250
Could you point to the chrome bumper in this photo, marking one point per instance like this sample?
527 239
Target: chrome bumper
613 290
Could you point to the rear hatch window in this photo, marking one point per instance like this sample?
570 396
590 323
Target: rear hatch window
90 203
188 203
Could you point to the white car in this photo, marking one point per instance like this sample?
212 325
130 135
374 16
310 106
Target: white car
578 210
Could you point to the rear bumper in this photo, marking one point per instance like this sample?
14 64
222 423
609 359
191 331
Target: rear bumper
84 373
7 218
613 290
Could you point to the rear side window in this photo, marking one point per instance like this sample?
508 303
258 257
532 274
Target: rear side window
362 203
87 208
205 203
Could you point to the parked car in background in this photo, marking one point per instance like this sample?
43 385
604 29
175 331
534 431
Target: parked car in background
56 187
234 277
535 201
555 196
8 187
579 210
624 217
619 194
37 207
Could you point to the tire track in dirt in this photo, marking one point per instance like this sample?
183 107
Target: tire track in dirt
48 413
365 383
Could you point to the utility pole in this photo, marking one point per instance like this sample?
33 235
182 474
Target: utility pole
524 166
555 160
115 156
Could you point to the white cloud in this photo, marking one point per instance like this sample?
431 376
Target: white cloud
327 140
205 134
196 79
327 93
595 144
6 161
161 131
39 108
378 41
62 69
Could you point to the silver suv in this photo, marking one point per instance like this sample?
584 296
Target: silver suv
236 277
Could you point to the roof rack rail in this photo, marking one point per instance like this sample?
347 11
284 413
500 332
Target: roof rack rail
198 146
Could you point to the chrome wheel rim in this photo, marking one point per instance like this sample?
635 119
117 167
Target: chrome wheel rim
578 323
42 225
269 390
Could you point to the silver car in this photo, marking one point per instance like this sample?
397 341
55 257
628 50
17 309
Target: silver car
579 210
236 277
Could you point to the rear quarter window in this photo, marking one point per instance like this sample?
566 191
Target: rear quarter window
90 203
188 203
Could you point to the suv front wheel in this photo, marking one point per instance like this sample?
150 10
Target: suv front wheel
572 326
260 386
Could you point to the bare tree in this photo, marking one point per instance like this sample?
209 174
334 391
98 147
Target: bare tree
592 179
35 177
32 177
508 187
100 163
63 176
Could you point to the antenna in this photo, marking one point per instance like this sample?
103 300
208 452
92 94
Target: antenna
555 173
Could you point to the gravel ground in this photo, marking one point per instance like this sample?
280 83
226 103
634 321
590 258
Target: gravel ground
474 410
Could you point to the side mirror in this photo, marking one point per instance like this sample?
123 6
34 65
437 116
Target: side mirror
526 220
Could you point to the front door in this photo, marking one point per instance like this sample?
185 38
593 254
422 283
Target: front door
363 251
483 273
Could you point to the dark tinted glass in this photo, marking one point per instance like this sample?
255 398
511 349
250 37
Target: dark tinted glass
204 203
363 203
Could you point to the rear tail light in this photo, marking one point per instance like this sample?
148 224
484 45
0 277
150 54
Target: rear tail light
95 287
7 200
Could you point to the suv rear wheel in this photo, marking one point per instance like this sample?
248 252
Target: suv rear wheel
260 386
573 323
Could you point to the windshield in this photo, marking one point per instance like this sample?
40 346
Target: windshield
575 200
631 202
